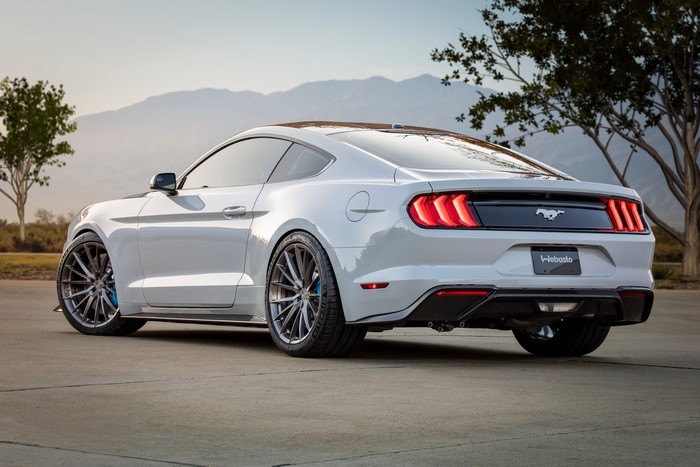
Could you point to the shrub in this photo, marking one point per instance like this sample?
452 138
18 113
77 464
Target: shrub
668 249
664 271
44 236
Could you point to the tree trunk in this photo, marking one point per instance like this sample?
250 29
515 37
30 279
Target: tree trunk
20 216
20 203
691 252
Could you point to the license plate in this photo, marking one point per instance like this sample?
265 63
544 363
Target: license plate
556 261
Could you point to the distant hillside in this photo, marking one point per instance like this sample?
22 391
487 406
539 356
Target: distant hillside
118 151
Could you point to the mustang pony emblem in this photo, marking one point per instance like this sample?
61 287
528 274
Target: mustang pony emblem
549 214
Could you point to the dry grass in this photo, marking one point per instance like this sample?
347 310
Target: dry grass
678 284
29 266
41 238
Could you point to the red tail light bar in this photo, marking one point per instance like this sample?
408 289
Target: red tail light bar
624 215
442 210
454 211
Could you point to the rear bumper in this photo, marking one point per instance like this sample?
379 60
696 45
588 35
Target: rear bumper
416 262
505 308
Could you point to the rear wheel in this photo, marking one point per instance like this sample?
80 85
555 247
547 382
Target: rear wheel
303 307
573 337
87 291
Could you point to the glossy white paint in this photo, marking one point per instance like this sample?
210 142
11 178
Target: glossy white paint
192 248
414 261
187 252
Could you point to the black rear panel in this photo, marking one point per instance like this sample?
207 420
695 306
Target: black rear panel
541 211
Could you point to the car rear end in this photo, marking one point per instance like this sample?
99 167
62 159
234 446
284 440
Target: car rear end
506 249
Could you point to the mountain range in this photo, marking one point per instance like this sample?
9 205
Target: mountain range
117 152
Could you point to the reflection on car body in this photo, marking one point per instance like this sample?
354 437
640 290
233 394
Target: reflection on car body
323 231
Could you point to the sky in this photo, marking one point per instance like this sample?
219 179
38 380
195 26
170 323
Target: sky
109 54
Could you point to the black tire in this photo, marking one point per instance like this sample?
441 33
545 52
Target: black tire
302 303
86 289
572 337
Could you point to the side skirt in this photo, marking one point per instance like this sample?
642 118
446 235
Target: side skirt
197 316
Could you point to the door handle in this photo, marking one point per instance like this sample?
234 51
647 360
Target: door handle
233 212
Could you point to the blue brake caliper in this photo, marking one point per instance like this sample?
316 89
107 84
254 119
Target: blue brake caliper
113 297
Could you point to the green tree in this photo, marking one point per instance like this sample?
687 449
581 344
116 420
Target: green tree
33 116
616 69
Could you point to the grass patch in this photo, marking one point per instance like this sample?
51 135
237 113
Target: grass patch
670 271
41 238
29 266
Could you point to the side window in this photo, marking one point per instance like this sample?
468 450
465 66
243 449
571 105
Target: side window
300 162
247 162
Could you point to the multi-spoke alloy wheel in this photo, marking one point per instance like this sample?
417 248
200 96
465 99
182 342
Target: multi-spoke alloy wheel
303 307
295 293
86 289
571 337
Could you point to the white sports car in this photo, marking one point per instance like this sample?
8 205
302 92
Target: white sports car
322 231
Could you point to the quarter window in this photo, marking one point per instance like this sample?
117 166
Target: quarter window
300 162
247 162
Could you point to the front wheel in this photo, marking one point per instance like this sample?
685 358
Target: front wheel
573 337
303 307
87 291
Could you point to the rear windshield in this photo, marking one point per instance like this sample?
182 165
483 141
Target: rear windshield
438 152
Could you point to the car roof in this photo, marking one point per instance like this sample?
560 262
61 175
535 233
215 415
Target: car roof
329 128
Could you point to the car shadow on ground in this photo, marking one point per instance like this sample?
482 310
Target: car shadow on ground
253 338
375 348
378 348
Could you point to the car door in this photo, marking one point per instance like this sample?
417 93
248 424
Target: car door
192 244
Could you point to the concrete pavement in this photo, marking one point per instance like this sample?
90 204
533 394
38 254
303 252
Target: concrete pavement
201 395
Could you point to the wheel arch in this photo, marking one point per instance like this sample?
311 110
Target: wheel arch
259 271
87 297
306 227
86 230
121 245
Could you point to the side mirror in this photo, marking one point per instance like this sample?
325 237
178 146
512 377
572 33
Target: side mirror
166 182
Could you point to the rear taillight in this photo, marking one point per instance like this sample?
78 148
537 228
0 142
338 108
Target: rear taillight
450 210
624 215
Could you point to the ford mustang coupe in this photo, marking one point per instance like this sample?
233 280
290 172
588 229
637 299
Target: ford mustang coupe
322 231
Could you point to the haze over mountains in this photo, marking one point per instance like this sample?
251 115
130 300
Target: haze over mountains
117 152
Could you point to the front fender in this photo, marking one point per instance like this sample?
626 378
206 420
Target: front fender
116 223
